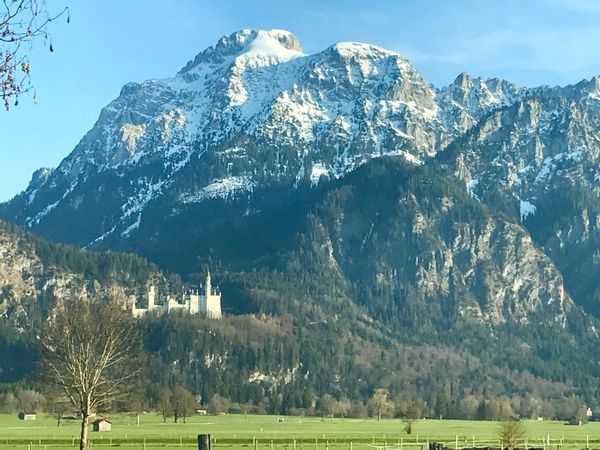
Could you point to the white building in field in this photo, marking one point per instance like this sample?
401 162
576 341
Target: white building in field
205 301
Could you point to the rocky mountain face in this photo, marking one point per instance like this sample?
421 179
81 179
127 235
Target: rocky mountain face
35 274
537 158
432 244
397 253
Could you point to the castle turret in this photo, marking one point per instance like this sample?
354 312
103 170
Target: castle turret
193 302
210 303
208 285
151 298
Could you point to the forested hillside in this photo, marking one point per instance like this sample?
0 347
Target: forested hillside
35 273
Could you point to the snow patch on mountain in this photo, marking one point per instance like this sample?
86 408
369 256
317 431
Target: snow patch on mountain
39 216
134 226
526 209
552 163
224 188
318 170
471 186
268 44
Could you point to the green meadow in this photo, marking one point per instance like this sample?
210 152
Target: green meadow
278 433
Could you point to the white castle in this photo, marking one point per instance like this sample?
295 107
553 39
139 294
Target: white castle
207 303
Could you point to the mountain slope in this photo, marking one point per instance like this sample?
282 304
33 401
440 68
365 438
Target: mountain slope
390 276
538 157
34 274
35 271
393 260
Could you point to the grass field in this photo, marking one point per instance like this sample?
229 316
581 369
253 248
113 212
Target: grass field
266 432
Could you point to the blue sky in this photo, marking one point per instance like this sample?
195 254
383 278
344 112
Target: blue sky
111 42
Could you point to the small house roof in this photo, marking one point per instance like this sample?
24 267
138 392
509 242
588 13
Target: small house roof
101 420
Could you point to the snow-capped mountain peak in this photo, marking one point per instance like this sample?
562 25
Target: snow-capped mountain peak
259 46
250 112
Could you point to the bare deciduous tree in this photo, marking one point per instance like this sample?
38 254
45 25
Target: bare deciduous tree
411 413
92 352
30 400
59 405
379 403
164 403
21 22
183 403
510 432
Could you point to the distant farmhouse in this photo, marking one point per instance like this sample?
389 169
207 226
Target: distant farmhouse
205 301
101 425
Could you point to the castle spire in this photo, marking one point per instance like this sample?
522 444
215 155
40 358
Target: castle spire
208 285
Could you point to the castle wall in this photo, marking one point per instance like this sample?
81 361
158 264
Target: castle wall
194 303
172 304
213 306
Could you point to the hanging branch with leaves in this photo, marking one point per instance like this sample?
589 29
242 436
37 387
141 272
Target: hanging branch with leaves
21 23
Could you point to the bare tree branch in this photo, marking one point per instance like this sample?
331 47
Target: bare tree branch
92 351
21 22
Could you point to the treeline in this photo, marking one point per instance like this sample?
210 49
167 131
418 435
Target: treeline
177 403
279 365
283 365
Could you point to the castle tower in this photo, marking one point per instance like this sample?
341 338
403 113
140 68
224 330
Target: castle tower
210 301
151 298
193 302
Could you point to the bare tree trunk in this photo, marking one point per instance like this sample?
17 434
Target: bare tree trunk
92 351
84 432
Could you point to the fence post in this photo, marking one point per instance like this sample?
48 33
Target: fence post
204 442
